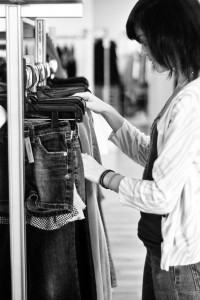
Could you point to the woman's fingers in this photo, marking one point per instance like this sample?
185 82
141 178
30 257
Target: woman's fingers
92 169
84 95
92 102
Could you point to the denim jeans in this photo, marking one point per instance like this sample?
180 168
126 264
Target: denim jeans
79 177
50 178
179 283
4 191
5 273
52 272
63 267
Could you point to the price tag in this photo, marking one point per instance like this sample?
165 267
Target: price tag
29 150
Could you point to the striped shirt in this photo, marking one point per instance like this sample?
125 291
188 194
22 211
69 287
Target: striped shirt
175 189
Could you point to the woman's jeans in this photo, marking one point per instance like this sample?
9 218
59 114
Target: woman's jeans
179 283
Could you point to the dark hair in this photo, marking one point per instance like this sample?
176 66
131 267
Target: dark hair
172 30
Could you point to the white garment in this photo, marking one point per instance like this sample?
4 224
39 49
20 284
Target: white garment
2 116
175 189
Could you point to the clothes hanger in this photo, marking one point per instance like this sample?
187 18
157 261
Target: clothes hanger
54 109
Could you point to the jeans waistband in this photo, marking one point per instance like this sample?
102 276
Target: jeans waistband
32 129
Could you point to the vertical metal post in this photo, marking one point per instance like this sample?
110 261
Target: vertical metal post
106 83
16 148
40 41
40 36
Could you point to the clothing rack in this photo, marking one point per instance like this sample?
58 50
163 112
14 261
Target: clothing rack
12 19
36 74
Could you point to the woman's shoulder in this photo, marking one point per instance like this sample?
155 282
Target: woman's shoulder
190 95
185 104
192 88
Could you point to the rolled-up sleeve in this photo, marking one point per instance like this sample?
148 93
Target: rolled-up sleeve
131 142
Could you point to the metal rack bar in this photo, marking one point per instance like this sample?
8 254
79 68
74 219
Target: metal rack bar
14 39
68 10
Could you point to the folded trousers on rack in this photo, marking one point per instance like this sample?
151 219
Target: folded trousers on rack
59 92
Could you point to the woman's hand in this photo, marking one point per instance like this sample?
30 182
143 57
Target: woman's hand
112 117
94 103
92 169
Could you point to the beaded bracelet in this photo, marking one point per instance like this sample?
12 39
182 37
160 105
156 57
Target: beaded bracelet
102 178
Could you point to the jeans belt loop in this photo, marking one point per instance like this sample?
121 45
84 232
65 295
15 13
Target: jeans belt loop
32 132
68 135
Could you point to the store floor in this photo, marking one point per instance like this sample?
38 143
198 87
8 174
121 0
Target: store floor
127 250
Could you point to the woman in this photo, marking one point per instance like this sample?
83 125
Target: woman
168 196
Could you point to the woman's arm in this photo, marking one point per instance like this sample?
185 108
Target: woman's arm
128 138
132 142
170 171
112 117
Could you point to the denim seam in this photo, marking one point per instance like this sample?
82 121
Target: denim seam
196 277
43 149
53 205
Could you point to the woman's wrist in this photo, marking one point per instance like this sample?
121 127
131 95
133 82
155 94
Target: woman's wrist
112 117
105 174
111 180
106 109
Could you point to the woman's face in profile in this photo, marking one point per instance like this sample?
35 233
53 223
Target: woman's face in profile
146 51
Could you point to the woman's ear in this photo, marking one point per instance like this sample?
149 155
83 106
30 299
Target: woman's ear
2 116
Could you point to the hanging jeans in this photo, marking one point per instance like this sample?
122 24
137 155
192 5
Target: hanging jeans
52 271
4 193
49 169
5 274
49 176
60 264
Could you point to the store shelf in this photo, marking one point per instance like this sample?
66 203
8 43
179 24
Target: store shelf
2 10
59 10
29 29
2 25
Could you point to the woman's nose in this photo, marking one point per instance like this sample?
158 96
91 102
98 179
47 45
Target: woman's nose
144 51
